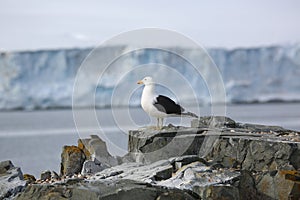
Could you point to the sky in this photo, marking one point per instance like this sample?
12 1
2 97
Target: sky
49 24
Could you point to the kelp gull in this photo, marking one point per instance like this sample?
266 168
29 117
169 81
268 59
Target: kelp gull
159 106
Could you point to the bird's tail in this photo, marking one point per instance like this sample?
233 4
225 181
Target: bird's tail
189 114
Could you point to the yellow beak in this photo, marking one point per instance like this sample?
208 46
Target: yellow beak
140 82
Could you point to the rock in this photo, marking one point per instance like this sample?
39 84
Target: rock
253 153
98 157
295 158
230 146
54 175
104 189
157 171
280 185
29 178
72 159
265 159
179 162
213 122
148 146
174 195
92 167
222 191
95 148
5 166
82 146
215 159
46 175
263 128
199 178
11 180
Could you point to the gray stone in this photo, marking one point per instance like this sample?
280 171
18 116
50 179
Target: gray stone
156 171
295 158
197 174
213 122
279 185
92 167
178 162
46 175
220 191
97 150
252 153
150 146
194 176
232 147
267 155
54 175
5 166
263 128
105 189
11 180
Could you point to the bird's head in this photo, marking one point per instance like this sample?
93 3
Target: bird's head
146 81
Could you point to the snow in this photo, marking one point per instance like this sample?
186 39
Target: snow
45 79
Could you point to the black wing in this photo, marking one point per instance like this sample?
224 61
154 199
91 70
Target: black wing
167 105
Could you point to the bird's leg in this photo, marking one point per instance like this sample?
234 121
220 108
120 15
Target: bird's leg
157 125
162 122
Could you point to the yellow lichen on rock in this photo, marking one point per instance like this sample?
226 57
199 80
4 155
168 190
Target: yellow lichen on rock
82 146
29 178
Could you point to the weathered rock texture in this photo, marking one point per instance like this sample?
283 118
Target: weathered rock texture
271 154
11 180
216 158
104 189
95 151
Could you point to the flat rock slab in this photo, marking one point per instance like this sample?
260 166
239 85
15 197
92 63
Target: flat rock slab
194 174
136 171
251 146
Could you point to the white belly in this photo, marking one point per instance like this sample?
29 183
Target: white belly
150 109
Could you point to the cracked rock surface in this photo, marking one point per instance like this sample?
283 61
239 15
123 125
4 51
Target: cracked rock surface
215 158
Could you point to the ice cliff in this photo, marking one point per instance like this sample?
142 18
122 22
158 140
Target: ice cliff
45 79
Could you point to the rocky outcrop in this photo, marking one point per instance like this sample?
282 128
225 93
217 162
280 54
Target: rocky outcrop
269 153
215 158
220 139
11 180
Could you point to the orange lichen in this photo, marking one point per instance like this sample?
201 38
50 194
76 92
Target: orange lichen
80 144
292 175
29 178
84 149
72 149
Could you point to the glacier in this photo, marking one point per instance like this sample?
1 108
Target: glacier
44 79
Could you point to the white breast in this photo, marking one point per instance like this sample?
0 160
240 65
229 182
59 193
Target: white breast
148 98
